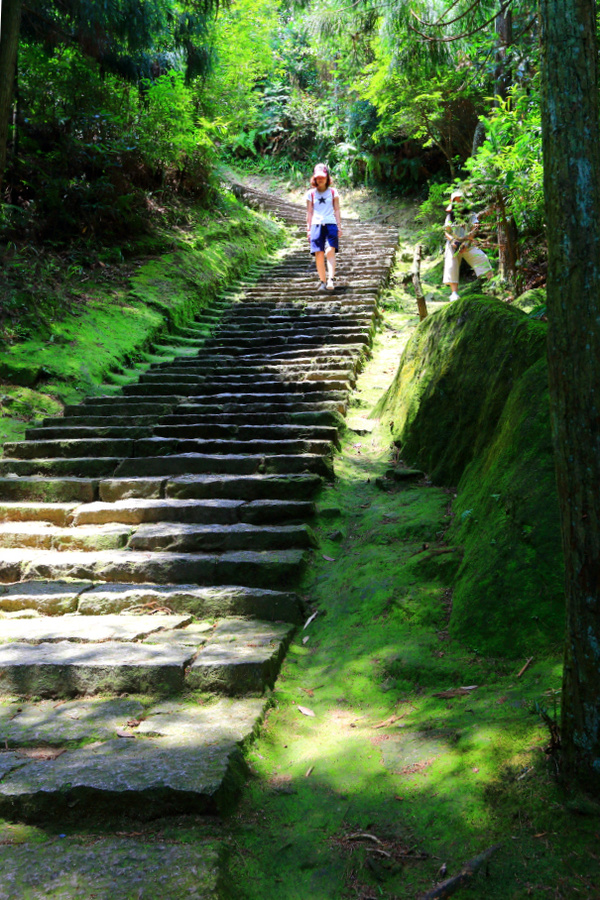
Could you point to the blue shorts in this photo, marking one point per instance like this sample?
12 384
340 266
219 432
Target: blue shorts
322 235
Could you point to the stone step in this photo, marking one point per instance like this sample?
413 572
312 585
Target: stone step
207 385
315 419
272 569
212 487
67 430
68 448
85 629
237 657
205 512
161 445
282 410
227 464
177 537
48 490
20 511
119 868
56 598
45 536
76 467
186 759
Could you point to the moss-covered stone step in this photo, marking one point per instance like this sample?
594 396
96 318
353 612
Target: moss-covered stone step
205 512
227 464
120 412
45 536
56 598
56 513
212 487
119 868
48 490
269 568
311 392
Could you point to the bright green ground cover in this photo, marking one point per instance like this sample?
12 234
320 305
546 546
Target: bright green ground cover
430 780
105 338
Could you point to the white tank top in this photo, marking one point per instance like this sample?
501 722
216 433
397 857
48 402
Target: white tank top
323 212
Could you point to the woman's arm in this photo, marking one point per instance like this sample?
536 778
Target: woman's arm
337 213
309 215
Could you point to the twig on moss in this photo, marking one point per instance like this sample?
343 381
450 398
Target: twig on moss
451 885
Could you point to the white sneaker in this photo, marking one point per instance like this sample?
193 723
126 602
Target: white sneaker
454 295
330 284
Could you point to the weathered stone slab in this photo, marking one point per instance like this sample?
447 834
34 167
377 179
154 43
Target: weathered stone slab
247 487
48 724
110 869
48 598
70 447
137 511
183 538
56 513
84 467
51 537
113 489
242 657
87 628
49 490
140 777
107 565
230 600
225 464
65 669
226 719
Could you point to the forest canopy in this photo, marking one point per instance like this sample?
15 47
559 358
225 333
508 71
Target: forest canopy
117 104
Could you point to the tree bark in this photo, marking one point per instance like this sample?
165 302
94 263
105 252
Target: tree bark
571 146
9 41
416 279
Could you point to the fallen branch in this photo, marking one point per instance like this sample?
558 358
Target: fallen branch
526 666
451 885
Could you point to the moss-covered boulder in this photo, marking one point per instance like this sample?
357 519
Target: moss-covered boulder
453 380
469 404
509 590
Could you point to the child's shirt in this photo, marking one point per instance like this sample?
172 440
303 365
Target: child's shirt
323 211
458 230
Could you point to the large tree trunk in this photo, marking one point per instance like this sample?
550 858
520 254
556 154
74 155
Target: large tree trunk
571 144
9 42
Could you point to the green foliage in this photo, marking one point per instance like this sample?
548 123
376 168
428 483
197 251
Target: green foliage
510 159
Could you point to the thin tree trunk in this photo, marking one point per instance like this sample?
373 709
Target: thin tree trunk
507 228
9 42
416 279
571 144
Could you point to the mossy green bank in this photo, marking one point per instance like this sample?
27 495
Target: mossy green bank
111 333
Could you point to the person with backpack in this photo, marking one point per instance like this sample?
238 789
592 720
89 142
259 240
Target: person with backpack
323 225
460 228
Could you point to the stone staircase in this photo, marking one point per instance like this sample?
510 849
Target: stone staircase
153 542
